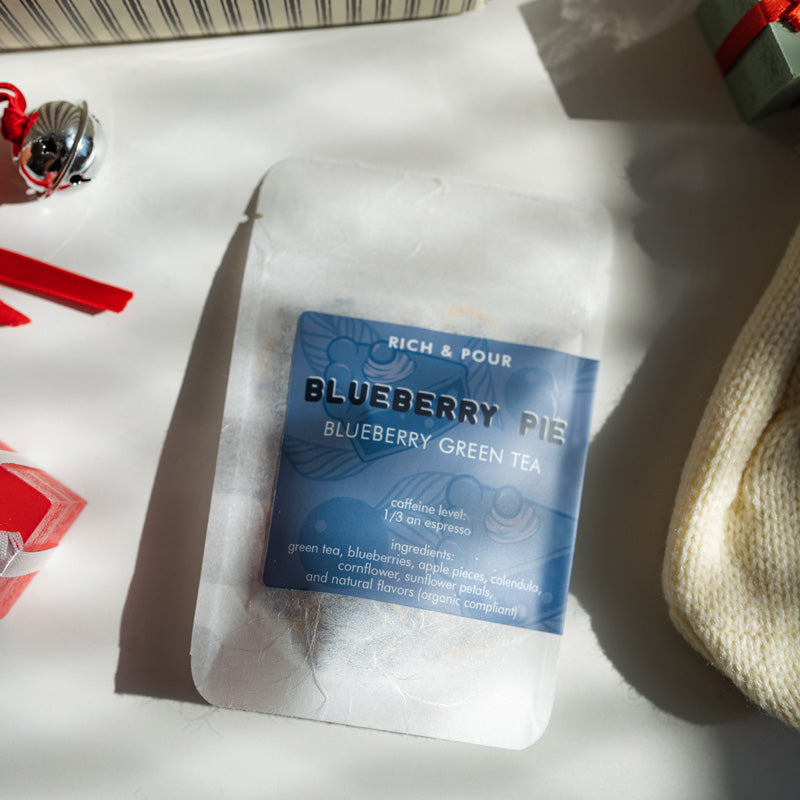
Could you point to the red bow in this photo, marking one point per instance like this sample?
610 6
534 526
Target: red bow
759 16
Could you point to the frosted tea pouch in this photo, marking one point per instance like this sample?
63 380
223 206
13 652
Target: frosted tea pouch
402 452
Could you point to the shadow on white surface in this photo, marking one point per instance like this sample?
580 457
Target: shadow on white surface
632 60
156 628
716 211
700 223
12 186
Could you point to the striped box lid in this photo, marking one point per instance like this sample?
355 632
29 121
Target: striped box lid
28 24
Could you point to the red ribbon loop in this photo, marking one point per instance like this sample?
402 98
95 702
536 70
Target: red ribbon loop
16 124
793 16
757 18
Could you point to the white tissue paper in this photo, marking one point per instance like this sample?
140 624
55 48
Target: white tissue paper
457 535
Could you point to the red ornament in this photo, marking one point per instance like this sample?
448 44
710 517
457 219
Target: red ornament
35 513
58 146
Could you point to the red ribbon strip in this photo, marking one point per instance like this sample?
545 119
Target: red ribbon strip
16 123
759 16
53 283
10 317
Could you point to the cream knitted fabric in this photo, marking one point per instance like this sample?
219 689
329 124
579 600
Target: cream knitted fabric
732 566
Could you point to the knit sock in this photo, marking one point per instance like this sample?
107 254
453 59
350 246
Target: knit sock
731 572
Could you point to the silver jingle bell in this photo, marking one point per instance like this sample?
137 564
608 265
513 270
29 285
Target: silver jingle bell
64 148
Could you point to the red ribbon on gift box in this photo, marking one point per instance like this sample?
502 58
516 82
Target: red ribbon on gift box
45 280
759 16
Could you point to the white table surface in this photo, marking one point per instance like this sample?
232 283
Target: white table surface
612 100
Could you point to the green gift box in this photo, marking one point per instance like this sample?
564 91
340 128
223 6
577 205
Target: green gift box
758 47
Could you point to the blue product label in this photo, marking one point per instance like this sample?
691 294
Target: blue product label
432 470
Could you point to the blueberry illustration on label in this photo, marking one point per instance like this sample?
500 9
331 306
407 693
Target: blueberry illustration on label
353 369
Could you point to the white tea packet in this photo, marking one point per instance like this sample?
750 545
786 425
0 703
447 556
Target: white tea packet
401 456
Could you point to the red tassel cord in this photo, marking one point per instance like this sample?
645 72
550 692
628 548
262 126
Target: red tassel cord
757 18
16 123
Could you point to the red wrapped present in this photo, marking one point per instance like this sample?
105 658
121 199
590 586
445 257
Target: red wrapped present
35 513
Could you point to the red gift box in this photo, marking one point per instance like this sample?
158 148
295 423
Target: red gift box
35 513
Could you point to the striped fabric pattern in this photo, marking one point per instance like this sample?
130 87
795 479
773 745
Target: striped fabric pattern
28 24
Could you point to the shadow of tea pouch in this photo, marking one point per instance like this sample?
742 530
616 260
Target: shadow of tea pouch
402 452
